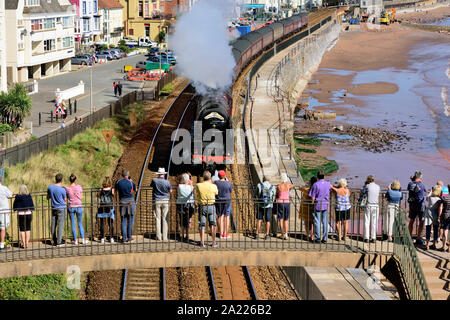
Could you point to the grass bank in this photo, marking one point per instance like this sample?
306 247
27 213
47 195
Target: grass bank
308 161
87 156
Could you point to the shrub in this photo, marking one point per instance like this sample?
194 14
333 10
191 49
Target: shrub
125 49
112 46
15 105
103 47
4 127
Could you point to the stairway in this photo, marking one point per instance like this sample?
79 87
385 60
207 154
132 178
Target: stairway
436 268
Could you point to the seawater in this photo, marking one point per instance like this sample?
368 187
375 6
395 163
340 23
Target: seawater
419 109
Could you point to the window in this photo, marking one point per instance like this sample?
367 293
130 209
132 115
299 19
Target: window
86 25
67 42
84 7
49 45
96 23
95 6
147 30
49 23
146 10
36 24
32 3
141 9
131 32
67 21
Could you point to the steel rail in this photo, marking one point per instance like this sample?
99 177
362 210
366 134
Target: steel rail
211 280
250 283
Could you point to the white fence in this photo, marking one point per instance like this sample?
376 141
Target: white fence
71 92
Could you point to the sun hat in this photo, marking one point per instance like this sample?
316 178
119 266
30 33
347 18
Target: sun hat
222 174
161 171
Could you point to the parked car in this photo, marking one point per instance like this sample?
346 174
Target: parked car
147 42
81 59
91 56
130 42
141 64
108 53
119 52
156 59
169 57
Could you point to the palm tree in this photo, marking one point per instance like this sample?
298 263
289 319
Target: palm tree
15 105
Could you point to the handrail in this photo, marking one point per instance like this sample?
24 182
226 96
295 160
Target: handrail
406 255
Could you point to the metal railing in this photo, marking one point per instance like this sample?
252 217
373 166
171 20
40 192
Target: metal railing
407 258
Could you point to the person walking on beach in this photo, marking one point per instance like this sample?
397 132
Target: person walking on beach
119 88
266 196
283 205
320 196
125 189
115 88
205 194
58 196
75 208
223 203
23 204
416 200
161 196
5 219
393 197
371 211
342 208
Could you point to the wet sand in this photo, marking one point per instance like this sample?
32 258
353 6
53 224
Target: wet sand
394 79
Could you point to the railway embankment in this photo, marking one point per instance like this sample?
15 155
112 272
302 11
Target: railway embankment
274 91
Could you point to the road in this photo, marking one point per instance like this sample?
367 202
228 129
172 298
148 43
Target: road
103 75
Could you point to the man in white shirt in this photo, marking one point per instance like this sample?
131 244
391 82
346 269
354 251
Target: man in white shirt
5 193
372 190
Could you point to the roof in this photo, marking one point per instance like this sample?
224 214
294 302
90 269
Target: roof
109 4
53 7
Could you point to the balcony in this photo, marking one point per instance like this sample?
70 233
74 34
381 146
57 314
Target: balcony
118 29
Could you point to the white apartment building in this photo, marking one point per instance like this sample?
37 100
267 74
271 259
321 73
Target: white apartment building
40 38
87 23
111 21
3 82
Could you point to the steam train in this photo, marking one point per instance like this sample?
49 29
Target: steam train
250 45
213 115
212 135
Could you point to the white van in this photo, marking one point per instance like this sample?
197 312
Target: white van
147 42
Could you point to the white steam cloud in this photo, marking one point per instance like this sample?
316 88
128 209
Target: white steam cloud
200 42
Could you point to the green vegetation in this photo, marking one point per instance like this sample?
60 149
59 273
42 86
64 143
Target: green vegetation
4 127
309 163
161 37
15 106
308 141
103 47
42 287
166 90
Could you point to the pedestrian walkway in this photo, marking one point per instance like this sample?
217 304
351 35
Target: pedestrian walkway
436 268
103 75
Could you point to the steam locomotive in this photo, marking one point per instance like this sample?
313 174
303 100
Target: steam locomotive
212 134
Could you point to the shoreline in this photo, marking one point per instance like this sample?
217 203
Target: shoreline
345 83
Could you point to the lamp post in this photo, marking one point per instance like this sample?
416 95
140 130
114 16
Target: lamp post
92 65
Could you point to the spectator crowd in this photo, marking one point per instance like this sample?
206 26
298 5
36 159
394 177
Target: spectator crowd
212 199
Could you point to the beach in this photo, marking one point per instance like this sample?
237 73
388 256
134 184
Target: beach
395 80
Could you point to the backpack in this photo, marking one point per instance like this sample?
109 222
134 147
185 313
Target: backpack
363 197
106 198
266 194
414 191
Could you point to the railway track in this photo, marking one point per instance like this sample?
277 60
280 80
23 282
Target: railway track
231 283
144 284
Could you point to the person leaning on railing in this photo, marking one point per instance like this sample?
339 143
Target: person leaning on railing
5 193
125 189
393 197
445 221
306 209
205 195
185 205
58 196
371 211
283 205
106 209
431 216
342 208
320 195
23 204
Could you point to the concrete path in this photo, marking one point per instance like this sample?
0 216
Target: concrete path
435 266
102 78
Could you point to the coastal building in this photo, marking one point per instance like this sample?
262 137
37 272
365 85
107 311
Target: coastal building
87 23
111 21
170 8
371 6
39 38
143 18
3 83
